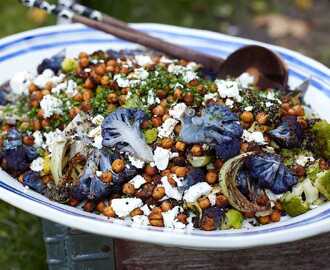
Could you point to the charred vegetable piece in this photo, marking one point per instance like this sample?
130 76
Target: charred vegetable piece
217 126
211 218
289 133
321 131
233 220
33 181
195 176
53 63
294 205
121 129
270 173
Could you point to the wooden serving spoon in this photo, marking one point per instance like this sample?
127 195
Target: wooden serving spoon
266 66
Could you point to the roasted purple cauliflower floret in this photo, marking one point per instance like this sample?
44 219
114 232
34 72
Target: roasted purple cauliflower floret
33 180
217 126
269 172
53 63
213 213
121 129
195 176
15 158
289 133
3 98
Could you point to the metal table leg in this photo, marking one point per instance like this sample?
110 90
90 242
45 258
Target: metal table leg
69 249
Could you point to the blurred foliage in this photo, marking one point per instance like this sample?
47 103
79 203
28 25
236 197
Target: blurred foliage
21 245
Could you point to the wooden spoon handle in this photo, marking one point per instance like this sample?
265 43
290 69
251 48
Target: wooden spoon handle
208 61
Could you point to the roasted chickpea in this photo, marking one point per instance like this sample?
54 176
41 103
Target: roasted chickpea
83 55
84 62
204 202
122 99
247 117
136 212
197 150
112 98
118 165
159 110
188 98
32 88
262 199
211 177
78 97
100 69
105 80
221 201
181 171
87 95
73 202
106 177
89 206
128 189
182 218
275 216
261 118
298 110
73 112
156 218
89 84
108 212
36 125
28 140
264 220
166 205
177 129
177 94
180 146
86 106
156 121
208 224
158 193
100 206
45 123
218 163
167 143
160 93
150 171
298 170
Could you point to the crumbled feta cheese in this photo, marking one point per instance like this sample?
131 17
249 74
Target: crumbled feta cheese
175 69
212 198
140 74
98 173
229 89
189 75
145 209
210 96
143 60
121 80
71 88
20 82
47 76
229 102
140 220
137 181
123 207
161 158
192 66
51 105
166 129
178 180
38 140
151 98
97 143
178 111
170 220
248 109
53 137
37 165
136 162
170 191
165 60
98 120
196 191
245 79
268 104
255 136
303 160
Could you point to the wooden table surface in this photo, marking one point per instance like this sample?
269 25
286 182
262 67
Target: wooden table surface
308 254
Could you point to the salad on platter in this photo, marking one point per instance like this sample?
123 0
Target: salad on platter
156 141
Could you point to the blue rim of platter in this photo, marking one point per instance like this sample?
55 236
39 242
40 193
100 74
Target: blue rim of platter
300 67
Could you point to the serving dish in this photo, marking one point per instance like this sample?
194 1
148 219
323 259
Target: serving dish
26 50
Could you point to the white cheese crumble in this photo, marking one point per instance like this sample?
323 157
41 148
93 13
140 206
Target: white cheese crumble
151 98
140 74
37 165
210 96
48 76
189 75
229 102
143 60
121 80
51 105
140 220
137 181
246 79
255 136
178 111
248 109
170 220
229 89
268 104
303 160
212 198
161 158
166 129
123 207
98 119
52 137
145 209
170 191
136 162
196 191
38 139
20 82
